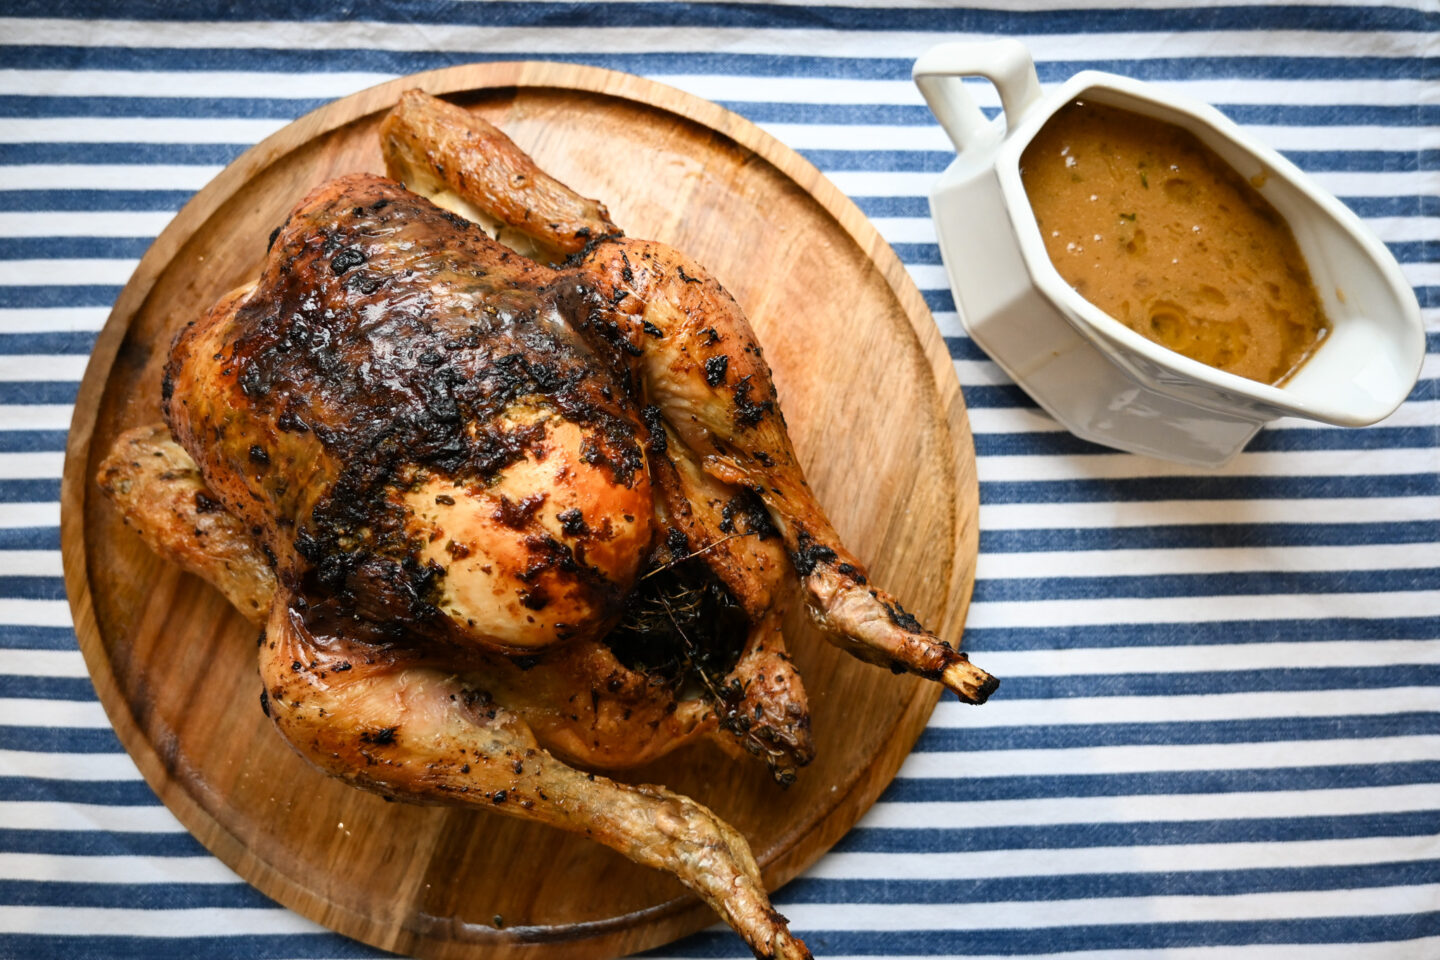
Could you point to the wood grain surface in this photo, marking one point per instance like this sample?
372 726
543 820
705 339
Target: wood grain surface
876 414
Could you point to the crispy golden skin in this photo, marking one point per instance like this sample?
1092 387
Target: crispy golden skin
470 494
701 366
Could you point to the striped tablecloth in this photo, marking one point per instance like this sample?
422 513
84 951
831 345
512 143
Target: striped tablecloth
1219 734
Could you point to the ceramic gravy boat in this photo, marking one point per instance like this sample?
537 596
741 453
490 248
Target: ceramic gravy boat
1096 376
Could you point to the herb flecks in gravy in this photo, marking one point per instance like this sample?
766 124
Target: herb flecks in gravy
1152 227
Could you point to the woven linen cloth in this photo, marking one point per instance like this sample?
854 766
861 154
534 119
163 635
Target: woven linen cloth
1219 730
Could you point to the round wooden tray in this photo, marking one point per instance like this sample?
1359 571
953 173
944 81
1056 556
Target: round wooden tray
876 414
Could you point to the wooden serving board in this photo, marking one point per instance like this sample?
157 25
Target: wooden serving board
876 414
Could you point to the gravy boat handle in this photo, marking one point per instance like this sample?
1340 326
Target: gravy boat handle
1005 63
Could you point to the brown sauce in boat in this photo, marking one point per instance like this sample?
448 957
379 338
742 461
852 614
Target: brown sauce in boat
1151 226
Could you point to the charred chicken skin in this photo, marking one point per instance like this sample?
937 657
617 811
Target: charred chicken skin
502 520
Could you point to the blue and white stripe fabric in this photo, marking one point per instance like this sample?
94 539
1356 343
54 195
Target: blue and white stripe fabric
1219 733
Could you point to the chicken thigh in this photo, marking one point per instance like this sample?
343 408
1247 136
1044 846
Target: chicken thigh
501 518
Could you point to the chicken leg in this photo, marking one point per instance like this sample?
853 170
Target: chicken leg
406 729
703 368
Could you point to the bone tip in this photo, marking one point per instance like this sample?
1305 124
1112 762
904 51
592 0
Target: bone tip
969 682
791 948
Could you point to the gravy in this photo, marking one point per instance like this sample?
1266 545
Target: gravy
1152 227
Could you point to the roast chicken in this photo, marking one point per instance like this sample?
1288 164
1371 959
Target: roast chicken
508 512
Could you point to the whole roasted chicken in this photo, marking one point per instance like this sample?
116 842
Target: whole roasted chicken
501 520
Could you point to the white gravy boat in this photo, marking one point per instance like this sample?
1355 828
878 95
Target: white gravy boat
1096 376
